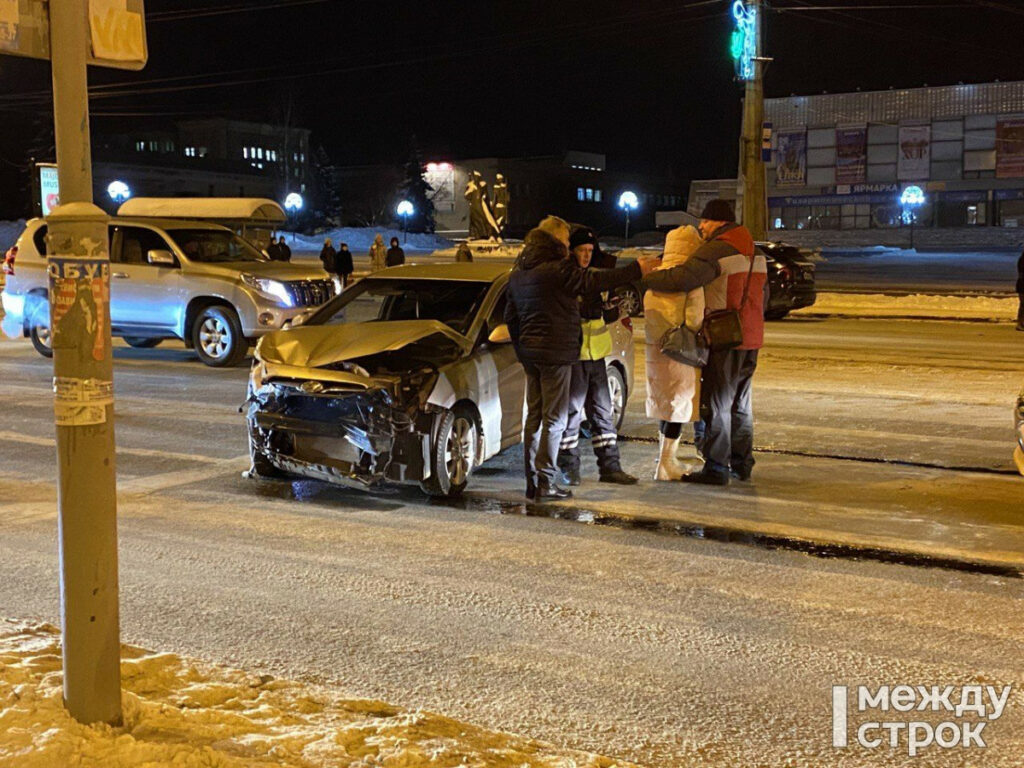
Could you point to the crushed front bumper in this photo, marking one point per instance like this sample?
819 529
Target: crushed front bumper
351 437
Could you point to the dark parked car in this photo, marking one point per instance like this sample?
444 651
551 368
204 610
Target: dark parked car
790 283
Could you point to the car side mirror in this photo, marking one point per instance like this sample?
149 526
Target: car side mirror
161 258
500 335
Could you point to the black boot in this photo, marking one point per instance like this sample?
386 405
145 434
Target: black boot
550 492
707 476
618 477
572 476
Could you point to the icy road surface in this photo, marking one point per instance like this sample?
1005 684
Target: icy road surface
662 650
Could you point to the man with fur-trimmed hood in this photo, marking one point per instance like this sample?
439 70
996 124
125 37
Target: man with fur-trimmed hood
543 317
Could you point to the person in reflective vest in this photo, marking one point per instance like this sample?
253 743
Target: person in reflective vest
588 393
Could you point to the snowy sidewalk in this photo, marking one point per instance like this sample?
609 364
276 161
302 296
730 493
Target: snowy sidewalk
913 306
851 508
180 712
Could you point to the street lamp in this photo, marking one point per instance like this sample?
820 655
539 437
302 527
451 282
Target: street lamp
405 210
293 203
911 199
119 191
628 202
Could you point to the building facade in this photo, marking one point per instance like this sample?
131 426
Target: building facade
842 162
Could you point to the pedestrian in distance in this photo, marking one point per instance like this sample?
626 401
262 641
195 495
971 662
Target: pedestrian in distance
378 254
673 388
283 250
343 262
544 324
273 250
733 273
329 260
589 395
395 256
1020 292
463 254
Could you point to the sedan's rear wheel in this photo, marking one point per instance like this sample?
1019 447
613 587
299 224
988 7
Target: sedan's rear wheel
453 454
42 339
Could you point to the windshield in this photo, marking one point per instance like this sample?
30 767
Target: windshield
453 302
214 245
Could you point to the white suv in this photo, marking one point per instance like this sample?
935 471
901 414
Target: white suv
190 280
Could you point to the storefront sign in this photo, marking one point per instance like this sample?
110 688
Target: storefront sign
851 154
791 158
1010 148
915 153
801 200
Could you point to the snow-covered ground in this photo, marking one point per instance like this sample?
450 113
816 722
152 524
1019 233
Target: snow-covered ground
184 713
359 239
934 306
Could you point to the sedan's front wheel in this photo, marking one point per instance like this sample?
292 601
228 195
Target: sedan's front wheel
453 454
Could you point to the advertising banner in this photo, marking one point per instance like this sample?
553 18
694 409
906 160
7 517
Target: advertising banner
49 188
791 158
1010 148
914 162
441 178
851 154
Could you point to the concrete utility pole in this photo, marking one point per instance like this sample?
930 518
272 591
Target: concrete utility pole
752 170
79 270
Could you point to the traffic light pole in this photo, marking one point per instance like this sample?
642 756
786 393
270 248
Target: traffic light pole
752 170
79 275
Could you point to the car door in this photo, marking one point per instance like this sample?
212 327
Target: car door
144 298
510 379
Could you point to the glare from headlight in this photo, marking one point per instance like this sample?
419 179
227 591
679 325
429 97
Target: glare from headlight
273 289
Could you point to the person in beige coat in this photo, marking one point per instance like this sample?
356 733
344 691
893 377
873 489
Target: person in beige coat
378 254
673 388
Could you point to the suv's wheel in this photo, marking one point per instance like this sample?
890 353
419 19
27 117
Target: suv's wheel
617 393
141 342
631 303
452 454
217 337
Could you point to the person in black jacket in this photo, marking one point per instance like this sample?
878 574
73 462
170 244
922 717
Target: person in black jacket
1020 292
395 255
543 317
343 262
328 257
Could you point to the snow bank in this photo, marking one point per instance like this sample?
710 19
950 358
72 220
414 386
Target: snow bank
360 239
186 714
992 308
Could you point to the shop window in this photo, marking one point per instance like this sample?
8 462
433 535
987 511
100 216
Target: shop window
580 195
597 195
590 195
1011 213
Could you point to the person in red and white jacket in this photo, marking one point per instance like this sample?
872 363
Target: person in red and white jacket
723 265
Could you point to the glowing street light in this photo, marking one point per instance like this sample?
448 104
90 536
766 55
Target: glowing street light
628 201
911 199
293 202
405 209
119 191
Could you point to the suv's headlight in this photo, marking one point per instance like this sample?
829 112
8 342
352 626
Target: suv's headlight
272 289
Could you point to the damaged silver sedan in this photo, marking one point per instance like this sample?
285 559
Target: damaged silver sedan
408 377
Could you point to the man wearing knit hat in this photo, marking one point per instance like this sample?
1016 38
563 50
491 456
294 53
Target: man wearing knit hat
588 390
734 275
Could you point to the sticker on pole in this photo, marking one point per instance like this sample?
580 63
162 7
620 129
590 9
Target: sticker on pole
79 291
81 402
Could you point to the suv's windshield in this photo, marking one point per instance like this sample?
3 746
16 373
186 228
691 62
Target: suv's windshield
453 302
214 245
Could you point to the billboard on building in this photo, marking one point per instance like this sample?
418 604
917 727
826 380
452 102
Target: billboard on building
1010 148
851 154
791 158
914 162
49 187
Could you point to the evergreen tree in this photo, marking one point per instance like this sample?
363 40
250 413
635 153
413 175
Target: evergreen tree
416 190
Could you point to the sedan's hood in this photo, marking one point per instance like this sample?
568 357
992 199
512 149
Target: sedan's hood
314 346
276 270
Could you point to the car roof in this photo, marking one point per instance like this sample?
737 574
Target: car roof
479 271
144 222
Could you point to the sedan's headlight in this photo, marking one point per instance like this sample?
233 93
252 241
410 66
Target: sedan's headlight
272 289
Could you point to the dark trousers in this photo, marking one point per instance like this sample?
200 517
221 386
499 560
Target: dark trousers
589 397
1020 311
727 411
547 412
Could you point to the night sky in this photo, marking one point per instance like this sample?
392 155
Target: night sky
648 83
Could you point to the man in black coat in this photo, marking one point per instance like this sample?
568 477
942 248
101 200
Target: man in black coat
543 317
395 256
1020 292
343 262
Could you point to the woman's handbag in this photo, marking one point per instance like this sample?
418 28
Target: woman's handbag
723 328
685 346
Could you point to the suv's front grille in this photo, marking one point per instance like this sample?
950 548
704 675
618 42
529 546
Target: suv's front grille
310 293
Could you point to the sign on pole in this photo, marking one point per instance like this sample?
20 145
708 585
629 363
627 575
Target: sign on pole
117 34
